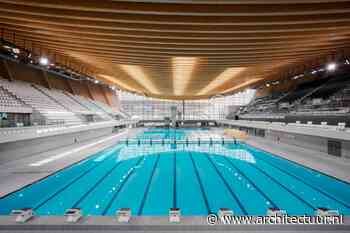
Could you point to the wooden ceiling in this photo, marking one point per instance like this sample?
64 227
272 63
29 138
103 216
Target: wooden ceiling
183 48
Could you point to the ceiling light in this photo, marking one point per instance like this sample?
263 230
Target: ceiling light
244 84
182 70
96 81
137 73
15 50
331 66
298 76
117 81
43 61
225 76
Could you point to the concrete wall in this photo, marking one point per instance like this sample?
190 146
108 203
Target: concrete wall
20 149
346 149
292 118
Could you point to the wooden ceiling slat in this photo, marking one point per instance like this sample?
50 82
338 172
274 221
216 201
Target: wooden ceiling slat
217 47
184 9
264 38
233 61
171 37
238 62
209 29
10 9
210 53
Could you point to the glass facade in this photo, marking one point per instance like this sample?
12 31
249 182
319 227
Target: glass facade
147 108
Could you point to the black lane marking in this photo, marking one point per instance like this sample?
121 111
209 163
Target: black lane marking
83 160
200 184
148 186
285 187
254 148
120 187
251 182
307 184
95 185
67 185
174 188
227 186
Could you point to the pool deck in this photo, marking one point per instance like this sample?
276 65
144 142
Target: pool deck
21 172
330 165
157 224
16 174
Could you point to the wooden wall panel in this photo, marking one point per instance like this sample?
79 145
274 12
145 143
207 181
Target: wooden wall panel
26 73
97 93
111 97
3 71
79 88
58 82
83 88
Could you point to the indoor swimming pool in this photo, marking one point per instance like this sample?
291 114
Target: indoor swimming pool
198 178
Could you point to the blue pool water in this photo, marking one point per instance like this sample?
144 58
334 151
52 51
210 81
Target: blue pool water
158 134
199 179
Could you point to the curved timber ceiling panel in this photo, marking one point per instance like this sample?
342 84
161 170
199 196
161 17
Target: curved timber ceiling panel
183 49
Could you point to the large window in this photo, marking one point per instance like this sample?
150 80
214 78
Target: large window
146 108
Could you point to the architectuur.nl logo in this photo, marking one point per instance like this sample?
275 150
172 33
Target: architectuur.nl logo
213 219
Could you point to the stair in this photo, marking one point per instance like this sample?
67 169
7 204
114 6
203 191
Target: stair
73 118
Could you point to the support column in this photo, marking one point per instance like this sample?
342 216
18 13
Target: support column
89 90
70 87
46 79
183 110
104 91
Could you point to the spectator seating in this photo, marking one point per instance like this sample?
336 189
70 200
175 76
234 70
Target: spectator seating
324 97
89 104
52 111
8 103
68 102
